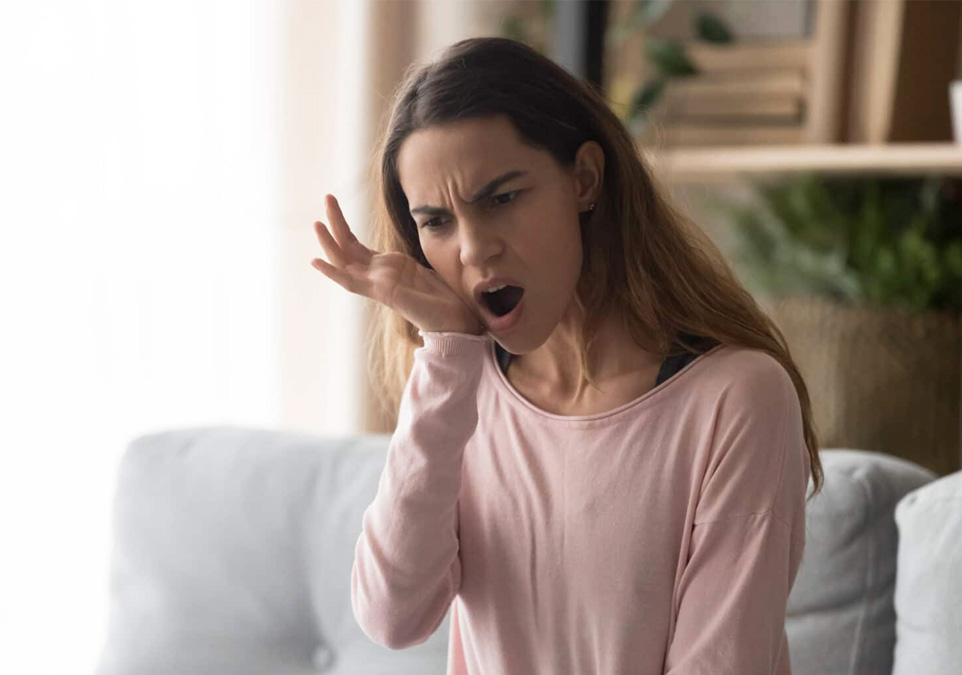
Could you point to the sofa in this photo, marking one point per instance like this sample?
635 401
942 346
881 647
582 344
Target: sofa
232 552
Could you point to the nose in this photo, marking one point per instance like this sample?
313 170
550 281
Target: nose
478 242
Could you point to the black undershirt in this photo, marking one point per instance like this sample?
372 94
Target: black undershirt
675 361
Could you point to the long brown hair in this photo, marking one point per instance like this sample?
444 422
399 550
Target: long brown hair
646 260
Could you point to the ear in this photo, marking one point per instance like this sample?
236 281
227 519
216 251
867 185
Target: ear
589 173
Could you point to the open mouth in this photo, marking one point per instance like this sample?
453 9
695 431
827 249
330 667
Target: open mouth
502 301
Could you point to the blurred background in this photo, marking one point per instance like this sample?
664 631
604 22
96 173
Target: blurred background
163 164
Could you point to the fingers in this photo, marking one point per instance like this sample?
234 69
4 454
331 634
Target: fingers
349 244
342 249
331 248
347 281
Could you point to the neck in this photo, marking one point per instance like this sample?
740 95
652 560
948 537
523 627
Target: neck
555 365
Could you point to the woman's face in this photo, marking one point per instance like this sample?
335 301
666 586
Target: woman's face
525 227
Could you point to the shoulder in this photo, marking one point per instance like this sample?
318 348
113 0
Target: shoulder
757 442
744 375
748 393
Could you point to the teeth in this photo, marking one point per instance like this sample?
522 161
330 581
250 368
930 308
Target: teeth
496 288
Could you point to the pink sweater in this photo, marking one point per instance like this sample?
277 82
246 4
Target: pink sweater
662 536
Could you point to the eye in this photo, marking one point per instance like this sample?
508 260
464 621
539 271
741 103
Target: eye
499 200
513 195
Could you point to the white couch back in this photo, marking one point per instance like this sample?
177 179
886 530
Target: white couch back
232 555
928 594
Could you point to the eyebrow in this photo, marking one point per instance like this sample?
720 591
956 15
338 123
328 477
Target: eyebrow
486 191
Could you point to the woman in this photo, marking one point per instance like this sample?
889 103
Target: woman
600 467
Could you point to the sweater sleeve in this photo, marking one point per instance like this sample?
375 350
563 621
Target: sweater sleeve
748 533
406 568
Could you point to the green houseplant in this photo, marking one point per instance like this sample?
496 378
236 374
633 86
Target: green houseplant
668 57
864 277
890 242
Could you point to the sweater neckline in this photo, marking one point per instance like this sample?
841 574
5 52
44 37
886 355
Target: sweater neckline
491 361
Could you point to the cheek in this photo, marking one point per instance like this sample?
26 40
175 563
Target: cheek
427 252
433 257
440 260
555 237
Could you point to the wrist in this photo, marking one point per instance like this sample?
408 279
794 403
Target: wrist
452 342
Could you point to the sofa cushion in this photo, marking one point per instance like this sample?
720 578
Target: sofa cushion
928 591
232 553
840 617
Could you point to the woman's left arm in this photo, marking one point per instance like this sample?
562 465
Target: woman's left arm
748 536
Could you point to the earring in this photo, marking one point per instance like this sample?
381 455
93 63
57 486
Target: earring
591 207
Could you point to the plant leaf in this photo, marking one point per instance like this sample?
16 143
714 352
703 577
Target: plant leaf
646 96
884 242
711 28
867 236
669 57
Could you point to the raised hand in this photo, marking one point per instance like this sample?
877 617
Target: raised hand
393 279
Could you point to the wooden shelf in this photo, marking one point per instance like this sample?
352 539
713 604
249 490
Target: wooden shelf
726 164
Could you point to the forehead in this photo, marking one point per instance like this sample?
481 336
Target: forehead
467 152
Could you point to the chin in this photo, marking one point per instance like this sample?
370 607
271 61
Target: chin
521 343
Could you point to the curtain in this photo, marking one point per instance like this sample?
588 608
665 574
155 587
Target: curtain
162 166
138 275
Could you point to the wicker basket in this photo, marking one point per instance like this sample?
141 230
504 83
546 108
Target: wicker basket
879 379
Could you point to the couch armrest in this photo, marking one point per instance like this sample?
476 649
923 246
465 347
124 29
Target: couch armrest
928 591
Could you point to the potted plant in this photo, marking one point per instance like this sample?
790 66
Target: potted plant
668 58
864 277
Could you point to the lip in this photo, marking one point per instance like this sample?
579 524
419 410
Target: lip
501 324
491 283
